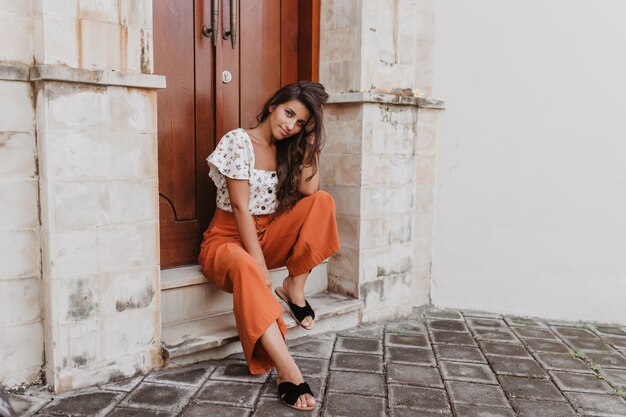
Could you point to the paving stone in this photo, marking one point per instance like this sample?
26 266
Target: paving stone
317 348
124 385
618 342
487 323
315 368
356 383
608 360
413 375
476 394
207 409
189 375
273 407
523 322
459 353
562 362
392 339
477 313
130 412
468 372
482 411
353 405
575 332
543 345
405 327
431 399
616 377
95 403
534 333
270 388
239 394
237 372
359 345
611 330
443 314
449 325
504 365
598 404
410 355
504 349
453 338
410 412
494 334
356 362
25 405
532 408
531 388
580 382
158 397
589 345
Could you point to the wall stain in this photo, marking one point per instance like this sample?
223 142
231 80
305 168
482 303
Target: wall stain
133 303
82 303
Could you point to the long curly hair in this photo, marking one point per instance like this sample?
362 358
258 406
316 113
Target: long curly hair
291 151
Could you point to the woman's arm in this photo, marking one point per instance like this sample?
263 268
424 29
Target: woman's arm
309 187
239 193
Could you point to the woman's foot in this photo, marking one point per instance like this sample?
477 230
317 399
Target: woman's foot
295 291
305 401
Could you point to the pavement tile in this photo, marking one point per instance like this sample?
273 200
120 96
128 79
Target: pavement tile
494 334
25 405
608 360
189 375
359 345
452 338
443 314
131 412
273 407
413 375
207 409
459 353
315 368
487 323
580 382
589 345
158 397
543 345
356 383
124 385
410 412
598 404
270 388
237 372
369 331
533 333
356 362
505 365
392 339
574 332
468 372
239 394
504 349
616 377
410 355
317 348
523 322
477 313
531 388
431 399
407 327
532 408
611 330
617 341
482 411
476 394
449 325
92 404
353 405
562 362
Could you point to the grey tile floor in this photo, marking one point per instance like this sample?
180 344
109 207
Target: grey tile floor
435 363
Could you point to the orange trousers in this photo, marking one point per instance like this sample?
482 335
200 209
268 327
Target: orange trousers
299 239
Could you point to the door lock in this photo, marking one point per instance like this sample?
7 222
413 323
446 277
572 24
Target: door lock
227 77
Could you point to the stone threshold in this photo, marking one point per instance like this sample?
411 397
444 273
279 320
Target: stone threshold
386 98
206 333
21 72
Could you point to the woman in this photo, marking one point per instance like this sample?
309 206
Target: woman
271 214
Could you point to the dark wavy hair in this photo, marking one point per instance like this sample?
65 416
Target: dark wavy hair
290 151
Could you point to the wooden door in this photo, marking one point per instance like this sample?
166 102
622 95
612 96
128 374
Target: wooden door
197 107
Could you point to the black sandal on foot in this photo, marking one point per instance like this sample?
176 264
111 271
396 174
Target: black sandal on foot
298 313
290 392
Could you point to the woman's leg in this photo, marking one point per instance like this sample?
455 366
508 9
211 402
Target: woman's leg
294 286
286 368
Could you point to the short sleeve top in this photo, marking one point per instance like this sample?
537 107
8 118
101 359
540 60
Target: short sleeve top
234 158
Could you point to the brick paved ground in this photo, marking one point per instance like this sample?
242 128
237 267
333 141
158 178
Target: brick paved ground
436 363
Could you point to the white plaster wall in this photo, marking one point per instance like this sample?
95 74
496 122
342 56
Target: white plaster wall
531 169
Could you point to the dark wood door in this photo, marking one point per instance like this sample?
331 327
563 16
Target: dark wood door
198 107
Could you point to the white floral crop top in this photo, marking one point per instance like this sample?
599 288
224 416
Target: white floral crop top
234 158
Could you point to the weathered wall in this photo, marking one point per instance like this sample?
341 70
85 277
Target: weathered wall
21 326
530 195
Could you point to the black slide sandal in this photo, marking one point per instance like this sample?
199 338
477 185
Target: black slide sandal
290 392
298 313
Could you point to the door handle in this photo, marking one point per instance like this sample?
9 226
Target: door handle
211 31
231 30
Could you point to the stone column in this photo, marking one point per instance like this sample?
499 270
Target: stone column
379 159
96 141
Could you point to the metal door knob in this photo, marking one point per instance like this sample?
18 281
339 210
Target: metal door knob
227 77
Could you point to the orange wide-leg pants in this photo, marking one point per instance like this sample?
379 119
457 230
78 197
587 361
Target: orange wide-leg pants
299 239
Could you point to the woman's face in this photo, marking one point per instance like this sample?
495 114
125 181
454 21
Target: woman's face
288 119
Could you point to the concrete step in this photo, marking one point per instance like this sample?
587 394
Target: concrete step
187 295
215 336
